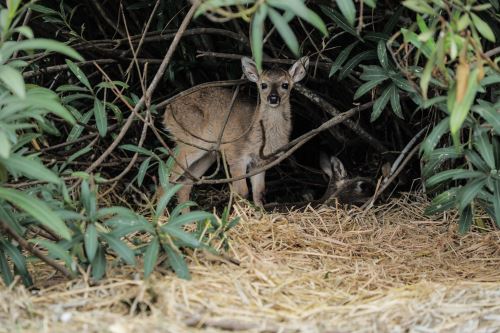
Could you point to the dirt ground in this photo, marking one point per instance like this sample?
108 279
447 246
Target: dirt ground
389 269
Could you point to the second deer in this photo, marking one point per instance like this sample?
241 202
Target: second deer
342 188
198 121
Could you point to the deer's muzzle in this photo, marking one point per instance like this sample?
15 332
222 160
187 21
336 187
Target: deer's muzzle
273 99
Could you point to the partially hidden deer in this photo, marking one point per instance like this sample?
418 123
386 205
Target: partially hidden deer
196 121
341 188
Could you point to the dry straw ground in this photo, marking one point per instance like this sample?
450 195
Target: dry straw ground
390 269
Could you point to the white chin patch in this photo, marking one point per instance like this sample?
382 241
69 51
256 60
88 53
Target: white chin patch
274 105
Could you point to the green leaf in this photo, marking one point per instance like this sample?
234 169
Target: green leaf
477 161
382 54
395 104
367 86
121 249
496 200
163 174
298 8
99 264
339 20
354 61
165 199
5 145
469 192
40 44
80 75
342 57
419 7
7 276
137 149
285 31
257 34
433 138
484 147
178 209
88 199
483 28
188 218
37 209
465 220
90 240
372 72
402 83
177 262
56 251
30 168
53 106
452 174
186 238
71 87
348 10
151 256
13 80
380 103
371 3
101 118
142 171
214 4
18 259
427 75
116 210
489 114
443 202
461 110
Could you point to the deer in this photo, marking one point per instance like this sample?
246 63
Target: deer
196 121
341 188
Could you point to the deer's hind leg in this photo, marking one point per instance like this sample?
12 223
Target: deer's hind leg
196 161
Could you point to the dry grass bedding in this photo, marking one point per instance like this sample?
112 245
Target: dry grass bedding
390 269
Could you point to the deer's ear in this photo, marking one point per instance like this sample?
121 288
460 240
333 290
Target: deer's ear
324 163
250 69
338 168
299 69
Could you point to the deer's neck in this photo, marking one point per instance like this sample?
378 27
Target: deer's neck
277 125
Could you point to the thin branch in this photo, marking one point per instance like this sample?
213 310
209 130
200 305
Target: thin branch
58 68
150 90
327 107
33 250
294 145
387 182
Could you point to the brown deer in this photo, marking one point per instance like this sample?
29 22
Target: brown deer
342 188
196 122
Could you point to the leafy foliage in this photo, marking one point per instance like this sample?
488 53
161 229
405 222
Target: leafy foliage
422 63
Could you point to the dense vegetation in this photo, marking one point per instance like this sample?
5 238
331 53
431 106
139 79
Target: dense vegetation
83 86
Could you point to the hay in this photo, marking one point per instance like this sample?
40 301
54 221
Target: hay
390 269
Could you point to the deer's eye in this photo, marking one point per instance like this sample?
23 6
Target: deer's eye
284 85
263 86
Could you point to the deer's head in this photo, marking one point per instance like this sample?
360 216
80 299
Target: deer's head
347 190
275 84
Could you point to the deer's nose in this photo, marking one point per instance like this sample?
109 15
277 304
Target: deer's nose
273 98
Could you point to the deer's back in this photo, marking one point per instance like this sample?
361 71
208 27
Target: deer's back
203 114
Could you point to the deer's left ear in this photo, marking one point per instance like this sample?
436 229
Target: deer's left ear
338 168
299 69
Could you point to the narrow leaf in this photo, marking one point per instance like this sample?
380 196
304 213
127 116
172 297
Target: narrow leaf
90 240
285 31
348 10
37 209
151 256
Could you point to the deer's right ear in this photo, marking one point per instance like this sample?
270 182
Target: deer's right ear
338 168
250 69
324 163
